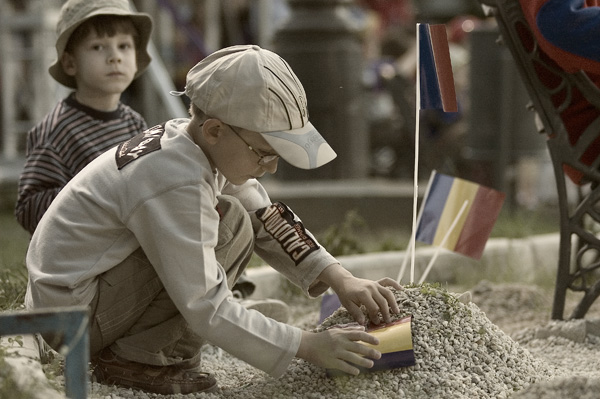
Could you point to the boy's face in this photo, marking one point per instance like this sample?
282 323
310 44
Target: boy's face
232 156
102 66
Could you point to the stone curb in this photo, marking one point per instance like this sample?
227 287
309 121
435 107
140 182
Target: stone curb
26 369
530 259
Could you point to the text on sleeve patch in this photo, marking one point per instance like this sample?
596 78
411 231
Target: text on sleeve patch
279 222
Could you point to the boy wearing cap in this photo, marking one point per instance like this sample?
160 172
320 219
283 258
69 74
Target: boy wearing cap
101 49
153 233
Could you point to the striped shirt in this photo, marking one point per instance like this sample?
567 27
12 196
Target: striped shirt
63 143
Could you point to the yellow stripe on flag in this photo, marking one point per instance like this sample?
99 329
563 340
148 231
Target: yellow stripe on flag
394 338
461 191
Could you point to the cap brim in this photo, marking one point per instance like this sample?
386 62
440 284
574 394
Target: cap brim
303 148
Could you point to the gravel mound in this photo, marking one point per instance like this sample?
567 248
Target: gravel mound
459 353
579 387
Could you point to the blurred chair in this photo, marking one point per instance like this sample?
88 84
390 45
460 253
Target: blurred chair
554 92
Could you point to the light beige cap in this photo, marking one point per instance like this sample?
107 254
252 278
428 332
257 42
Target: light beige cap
255 89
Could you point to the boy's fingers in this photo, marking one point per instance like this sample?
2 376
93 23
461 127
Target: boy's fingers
389 295
391 300
389 282
359 354
358 360
363 336
355 353
355 328
356 313
379 304
381 301
385 313
373 307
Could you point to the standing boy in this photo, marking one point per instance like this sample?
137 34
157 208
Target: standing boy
101 49
152 235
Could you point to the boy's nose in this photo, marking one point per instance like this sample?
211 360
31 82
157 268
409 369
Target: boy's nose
114 57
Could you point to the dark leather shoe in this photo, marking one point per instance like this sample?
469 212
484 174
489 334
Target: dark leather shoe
111 369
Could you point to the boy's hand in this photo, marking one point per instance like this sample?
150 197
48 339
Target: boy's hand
374 295
338 348
354 292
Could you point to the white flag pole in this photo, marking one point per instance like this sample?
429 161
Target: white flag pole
414 236
446 236
416 173
405 260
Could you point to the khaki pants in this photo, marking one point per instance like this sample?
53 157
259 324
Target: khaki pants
133 314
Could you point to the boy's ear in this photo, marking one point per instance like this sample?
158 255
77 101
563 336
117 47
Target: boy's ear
68 63
212 129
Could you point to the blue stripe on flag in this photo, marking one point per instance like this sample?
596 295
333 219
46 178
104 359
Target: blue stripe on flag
437 194
430 87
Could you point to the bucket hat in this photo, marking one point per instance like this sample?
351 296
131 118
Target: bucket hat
75 12
255 89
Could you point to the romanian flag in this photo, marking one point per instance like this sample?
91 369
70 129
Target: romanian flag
436 81
395 345
443 200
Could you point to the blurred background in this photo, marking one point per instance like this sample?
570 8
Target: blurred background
356 59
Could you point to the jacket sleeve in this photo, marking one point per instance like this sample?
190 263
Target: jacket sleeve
285 244
572 25
180 243
282 239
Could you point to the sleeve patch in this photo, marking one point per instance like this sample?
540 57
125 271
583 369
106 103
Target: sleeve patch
140 145
278 220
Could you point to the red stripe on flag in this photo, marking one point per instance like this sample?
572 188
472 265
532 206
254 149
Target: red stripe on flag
443 66
480 222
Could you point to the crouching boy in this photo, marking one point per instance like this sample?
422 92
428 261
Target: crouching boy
154 232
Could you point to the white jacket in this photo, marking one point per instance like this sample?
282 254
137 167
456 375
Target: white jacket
164 201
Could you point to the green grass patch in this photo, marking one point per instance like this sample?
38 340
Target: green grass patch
13 273
13 241
520 223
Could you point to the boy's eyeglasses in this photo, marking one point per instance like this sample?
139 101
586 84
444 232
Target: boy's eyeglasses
262 159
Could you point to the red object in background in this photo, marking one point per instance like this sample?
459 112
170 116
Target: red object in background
580 113
392 12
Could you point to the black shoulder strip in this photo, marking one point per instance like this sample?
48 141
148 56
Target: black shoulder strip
140 145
